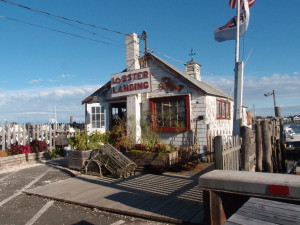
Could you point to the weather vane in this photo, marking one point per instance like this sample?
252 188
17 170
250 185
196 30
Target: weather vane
192 54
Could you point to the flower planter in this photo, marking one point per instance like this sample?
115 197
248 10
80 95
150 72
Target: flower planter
15 160
145 159
76 159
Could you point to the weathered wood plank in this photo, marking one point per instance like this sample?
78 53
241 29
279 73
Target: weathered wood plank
244 220
263 211
129 197
276 204
265 217
272 209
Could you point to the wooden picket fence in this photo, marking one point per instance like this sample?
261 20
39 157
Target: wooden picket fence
259 149
24 134
227 152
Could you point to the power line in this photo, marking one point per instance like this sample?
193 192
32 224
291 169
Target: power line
70 34
59 31
62 17
90 32
177 60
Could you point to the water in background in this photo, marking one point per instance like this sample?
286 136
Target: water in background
291 160
295 127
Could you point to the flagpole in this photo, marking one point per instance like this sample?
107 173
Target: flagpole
238 78
237 45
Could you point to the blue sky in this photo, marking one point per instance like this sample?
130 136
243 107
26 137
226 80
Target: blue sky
41 69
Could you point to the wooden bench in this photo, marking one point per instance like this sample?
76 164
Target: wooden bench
225 191
113 160
265 211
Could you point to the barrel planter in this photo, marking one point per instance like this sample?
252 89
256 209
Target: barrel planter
76 159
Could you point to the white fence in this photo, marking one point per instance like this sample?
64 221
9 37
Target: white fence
24 134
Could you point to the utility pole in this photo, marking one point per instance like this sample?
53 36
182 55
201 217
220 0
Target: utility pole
144 38
276 109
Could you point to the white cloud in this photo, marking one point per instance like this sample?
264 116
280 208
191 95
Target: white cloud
65 75
50 80
35 81
286 88
35 104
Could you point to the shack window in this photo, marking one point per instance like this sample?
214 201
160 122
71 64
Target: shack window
98 117
170 114
223 109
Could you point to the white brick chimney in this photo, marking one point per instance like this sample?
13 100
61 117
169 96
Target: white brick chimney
132 51
193 69
133 101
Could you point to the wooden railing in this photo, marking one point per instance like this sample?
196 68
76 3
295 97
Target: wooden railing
225 191
24 134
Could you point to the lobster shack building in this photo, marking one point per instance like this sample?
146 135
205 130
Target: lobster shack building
178 105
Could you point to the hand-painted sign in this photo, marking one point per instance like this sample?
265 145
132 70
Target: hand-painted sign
131 82
166 84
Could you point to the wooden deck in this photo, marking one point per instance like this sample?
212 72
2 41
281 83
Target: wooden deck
167 198
262 211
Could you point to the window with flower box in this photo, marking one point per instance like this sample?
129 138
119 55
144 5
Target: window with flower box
223 109
171 114
98 117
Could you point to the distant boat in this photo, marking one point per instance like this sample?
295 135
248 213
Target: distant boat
292 139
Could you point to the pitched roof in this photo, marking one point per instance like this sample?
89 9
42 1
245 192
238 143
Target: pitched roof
204 87
90 97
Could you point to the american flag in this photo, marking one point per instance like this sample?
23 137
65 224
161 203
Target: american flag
233 3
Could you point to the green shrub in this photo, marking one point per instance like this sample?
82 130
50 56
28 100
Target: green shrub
82 141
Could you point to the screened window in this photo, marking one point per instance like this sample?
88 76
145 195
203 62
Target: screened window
98 117
223 109
170 114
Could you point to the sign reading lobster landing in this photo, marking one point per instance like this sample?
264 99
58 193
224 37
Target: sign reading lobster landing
131 82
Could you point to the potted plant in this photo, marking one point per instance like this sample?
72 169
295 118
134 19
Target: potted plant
82 145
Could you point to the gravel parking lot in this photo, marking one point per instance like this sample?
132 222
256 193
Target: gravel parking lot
18 208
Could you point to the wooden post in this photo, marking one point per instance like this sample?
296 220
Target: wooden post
24 134
8 136
259 152
283 157
50 138
38 131
29 133
14 134
218 144
3 137
267 148
278 146
19 134
274 146
217 212
42 132
246 148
